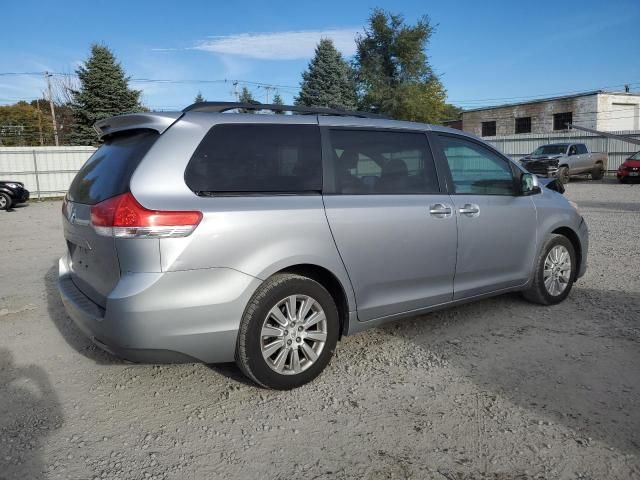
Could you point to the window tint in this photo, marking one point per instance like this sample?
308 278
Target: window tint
582 148
523 125
236 158
573 150
108 171
382 162
489 129
476 169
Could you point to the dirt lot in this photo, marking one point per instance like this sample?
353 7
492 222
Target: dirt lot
500 389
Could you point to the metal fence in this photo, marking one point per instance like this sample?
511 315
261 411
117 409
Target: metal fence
48 171
517 146
45 171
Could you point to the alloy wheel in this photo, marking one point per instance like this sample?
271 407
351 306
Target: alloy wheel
293 334
557 270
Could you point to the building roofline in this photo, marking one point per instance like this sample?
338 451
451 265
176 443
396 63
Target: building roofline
548 99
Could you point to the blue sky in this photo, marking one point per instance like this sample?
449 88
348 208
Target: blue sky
485 52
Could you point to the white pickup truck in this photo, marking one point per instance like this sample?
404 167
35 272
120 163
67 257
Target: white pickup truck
562 160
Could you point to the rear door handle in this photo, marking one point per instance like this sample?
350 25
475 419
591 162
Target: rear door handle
440 210
470 210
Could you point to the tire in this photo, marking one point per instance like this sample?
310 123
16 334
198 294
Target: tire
539 291
5 202
563 175
269 360
598 172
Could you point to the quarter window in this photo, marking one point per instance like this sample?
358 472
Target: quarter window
382 162
476 169
252 158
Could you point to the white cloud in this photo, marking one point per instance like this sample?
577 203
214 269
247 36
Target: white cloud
280 45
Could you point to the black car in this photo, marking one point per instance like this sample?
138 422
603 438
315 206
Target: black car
12 193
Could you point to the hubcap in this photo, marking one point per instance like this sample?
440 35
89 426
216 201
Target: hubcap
557 270
3 202
293 334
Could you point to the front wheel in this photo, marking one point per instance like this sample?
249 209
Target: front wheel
5 201
288 332
563 175
555 272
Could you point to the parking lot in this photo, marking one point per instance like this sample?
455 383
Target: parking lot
500 389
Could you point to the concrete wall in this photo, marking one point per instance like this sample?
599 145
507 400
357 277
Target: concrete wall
618 112
584 114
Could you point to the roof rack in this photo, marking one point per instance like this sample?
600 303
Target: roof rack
219 107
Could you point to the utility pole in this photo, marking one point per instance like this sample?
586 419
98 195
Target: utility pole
268 88
53 112
235 90
39 121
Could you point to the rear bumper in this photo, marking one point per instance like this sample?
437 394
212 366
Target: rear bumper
164 317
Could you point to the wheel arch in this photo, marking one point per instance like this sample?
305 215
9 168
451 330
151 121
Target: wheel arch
572 236
328 280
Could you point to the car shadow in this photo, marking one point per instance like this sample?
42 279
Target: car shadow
29 411
67 328
575 363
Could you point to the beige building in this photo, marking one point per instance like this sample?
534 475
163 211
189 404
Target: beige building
607 111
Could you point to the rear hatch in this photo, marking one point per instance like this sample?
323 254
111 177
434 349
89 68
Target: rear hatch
95 268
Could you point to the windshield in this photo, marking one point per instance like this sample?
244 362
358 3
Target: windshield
636 156
550 150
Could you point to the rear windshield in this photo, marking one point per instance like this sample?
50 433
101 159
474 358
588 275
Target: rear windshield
108 171
550 150
257 158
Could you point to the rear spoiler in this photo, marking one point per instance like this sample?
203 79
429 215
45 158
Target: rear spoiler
133 121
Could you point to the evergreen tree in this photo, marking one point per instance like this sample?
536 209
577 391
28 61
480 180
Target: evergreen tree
246 97
277 100
328 80
199 98
393 72
104 92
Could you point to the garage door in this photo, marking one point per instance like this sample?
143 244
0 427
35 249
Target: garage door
623 116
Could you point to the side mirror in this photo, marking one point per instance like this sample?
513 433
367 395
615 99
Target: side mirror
529 184
555 185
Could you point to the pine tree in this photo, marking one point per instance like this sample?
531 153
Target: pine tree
104 92
246 97
393 72
277 100
199 98
328 80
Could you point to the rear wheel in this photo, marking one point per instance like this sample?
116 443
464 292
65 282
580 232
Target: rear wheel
5 201
563 175
288 332
555 272
598 172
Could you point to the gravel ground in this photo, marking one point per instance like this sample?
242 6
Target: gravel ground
499 389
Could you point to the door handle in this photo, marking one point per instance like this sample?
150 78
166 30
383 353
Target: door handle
440 210
470 210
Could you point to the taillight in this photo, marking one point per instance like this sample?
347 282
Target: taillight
124 217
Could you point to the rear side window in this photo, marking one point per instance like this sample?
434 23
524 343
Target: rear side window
382 162
237 158
582 148
108 171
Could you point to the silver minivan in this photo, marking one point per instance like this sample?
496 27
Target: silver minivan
212 236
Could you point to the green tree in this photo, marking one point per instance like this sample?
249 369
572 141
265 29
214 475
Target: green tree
25 124
199 98
246 97
328 80
277 100
393 73
104 92
451 112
